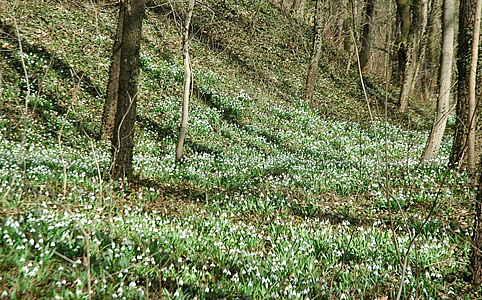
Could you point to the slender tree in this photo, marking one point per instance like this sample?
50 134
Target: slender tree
472 83
366 42
123 137
438 128
187 83
476 258
316 52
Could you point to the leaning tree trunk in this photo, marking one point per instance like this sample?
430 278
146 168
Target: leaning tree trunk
110 105
443 101
316 53
365 51
187 83
123 137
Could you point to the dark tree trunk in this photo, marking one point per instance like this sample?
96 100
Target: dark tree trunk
316 53
122 139
110 105
403 9
365 51
466 26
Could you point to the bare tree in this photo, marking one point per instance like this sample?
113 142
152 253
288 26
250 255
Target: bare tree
123 137
187 83
316 52
438 128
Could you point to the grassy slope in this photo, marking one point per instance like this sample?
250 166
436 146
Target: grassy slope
274 198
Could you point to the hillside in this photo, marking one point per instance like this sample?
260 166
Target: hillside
275 198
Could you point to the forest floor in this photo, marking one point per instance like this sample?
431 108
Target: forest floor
275 197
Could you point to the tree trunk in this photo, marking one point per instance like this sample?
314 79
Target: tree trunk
187 84
466 27
414 52
316 53
110 105
430 70
340 23
403 9
472 85
122 139
365 51
443 101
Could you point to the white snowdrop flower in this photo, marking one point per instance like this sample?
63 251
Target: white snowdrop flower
4 294
132 284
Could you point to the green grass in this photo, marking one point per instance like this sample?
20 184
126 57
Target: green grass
274 198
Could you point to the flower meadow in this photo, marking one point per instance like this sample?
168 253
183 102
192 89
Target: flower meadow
273 198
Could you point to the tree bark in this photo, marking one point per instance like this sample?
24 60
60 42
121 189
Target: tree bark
187 84
122 139
110 105
467 12
414 51
472 85
460 149
365 51
316 53
403 9
438 128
